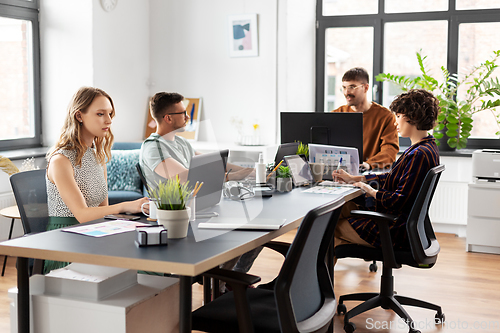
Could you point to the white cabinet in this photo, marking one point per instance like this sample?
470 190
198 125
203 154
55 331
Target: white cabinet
483 228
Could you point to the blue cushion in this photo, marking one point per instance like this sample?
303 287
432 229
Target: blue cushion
126 145
115 197
122 173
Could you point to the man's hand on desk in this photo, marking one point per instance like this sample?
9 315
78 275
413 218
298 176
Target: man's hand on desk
364 167
243 173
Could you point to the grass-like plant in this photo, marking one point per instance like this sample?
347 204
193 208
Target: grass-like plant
303 149
283 172
170 194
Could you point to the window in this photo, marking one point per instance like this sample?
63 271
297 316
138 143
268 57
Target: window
454 33
19 75
340 59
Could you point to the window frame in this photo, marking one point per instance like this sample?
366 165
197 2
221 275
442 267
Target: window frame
452 15
29 11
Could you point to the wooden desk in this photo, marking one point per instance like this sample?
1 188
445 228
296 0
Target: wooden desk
200 251
11 212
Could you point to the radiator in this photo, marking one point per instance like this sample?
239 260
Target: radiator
7 200
450 204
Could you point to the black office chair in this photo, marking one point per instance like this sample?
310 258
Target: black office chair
423 254
141 175
30 191
302 299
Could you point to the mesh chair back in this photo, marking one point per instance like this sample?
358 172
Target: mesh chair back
423 243
303 290
30 191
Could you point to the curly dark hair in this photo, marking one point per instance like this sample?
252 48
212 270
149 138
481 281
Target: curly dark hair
161 102
419 106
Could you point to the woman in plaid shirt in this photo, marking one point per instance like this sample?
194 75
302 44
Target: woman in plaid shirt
395 191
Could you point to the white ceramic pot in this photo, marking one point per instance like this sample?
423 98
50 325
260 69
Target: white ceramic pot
175 221
284 184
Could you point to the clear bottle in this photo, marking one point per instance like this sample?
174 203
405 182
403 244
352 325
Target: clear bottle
260 170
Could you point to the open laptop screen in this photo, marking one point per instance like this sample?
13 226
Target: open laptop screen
210 169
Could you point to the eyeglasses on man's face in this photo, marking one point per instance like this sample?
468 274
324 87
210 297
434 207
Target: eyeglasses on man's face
183 112
350 88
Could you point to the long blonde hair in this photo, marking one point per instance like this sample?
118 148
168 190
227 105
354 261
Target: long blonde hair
71 131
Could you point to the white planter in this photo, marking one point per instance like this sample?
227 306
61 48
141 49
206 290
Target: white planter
284 184
175 221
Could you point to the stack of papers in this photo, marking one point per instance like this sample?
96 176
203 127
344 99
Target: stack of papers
337 184
328 190
105 228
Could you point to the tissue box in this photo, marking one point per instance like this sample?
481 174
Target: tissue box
151 235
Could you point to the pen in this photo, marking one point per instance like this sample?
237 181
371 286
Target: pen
340 162
197 190
276 168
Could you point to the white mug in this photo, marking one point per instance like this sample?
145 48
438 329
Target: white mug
152 209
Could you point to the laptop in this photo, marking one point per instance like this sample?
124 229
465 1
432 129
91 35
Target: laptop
242 223
300 170
285 149
209 168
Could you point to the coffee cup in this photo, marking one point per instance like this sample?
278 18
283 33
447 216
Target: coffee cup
317 170
152 210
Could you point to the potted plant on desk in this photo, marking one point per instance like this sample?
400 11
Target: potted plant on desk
283 179
171 198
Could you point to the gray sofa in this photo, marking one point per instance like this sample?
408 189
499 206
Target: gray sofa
124 183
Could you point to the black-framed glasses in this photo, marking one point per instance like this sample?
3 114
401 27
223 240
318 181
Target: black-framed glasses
183 112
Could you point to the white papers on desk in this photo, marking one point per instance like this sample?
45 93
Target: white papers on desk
327 190
242 223
105 228
65 273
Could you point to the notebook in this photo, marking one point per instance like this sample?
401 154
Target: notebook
242 223
209 168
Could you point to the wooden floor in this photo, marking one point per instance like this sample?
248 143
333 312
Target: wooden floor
466 285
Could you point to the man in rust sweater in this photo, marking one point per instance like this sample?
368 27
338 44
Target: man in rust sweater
380 137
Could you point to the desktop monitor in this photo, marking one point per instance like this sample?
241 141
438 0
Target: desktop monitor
327 128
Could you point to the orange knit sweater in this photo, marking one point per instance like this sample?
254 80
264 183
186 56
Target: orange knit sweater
380 136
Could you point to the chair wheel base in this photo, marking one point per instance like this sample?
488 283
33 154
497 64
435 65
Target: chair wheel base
373 267
349 327
439 318
341 309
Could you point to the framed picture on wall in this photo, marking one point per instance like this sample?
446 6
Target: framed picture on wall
243 35
193 109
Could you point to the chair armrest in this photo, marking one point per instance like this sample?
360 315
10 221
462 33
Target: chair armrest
239 282
232 277
374 215
382 221
280 247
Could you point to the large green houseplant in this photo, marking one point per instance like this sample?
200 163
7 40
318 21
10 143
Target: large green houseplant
455 118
